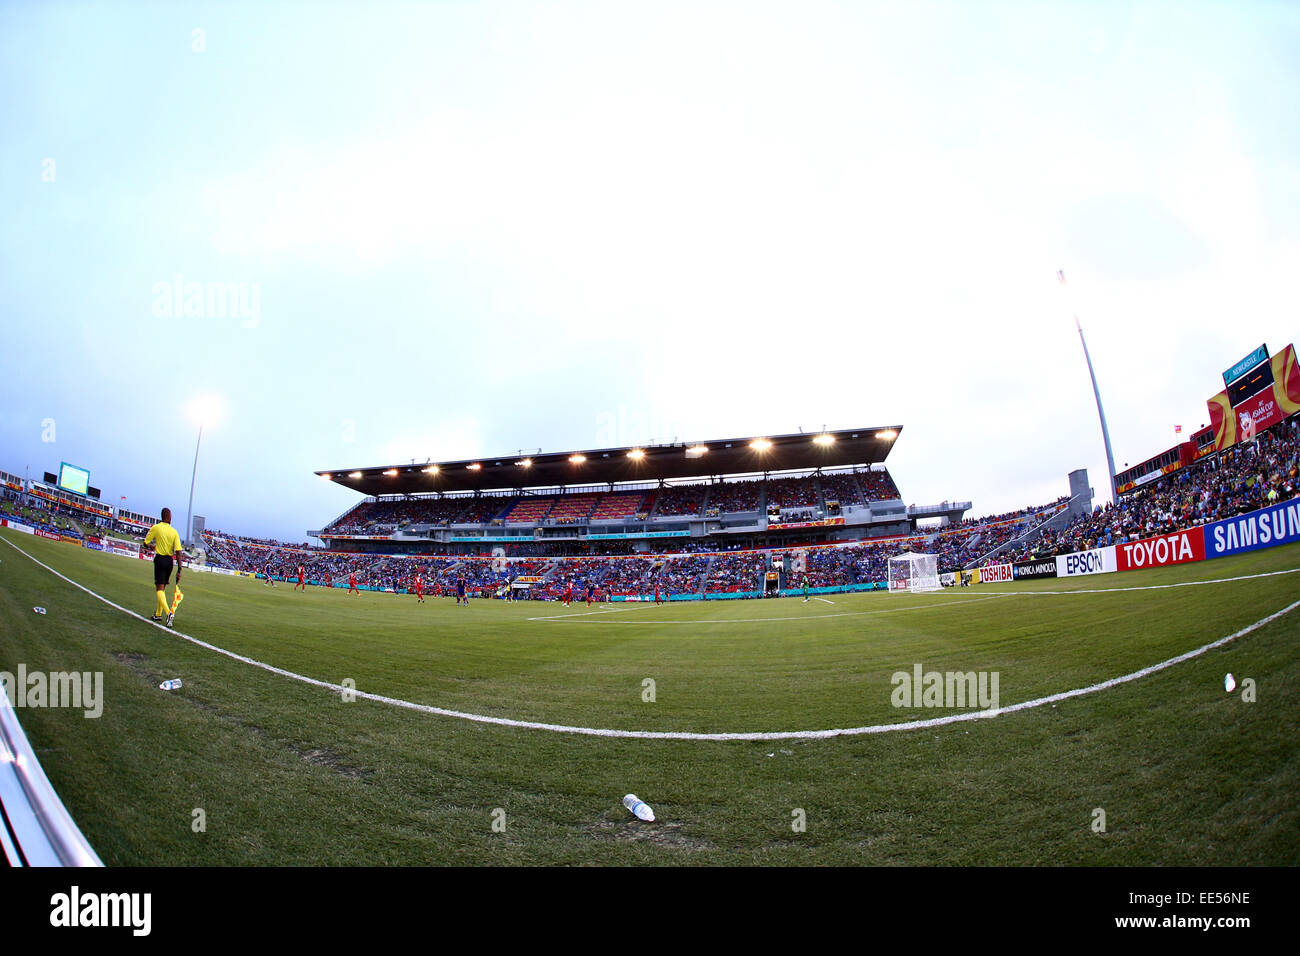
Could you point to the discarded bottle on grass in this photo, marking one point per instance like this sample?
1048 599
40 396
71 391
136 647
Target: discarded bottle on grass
39 610
640 810
170 685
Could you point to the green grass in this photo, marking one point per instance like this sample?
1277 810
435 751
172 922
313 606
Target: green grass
290 774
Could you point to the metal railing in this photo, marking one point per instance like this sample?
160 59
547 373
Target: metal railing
35 827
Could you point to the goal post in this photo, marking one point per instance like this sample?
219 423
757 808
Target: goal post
913 572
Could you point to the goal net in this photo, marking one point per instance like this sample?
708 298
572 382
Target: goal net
913 572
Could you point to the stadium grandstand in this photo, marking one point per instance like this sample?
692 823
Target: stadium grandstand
726 494
687 525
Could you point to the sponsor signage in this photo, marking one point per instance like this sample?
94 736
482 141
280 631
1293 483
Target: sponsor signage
642 534
41 533
1256 414
1096 561
69 538
996 572
1034 569
25 529
819 523
1245 365
1177 548
1274 525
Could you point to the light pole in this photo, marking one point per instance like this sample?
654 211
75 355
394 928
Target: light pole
189 514
205 411
1101 414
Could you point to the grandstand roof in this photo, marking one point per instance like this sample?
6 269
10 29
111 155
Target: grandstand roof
727 456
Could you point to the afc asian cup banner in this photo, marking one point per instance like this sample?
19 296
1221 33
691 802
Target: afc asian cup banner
1180 547
18 526
1266 528
996 572
1096 561
1261 411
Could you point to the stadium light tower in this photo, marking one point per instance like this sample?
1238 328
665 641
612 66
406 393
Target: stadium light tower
1096 393
205 411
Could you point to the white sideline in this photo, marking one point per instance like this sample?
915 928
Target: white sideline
689 735
944 601
933 605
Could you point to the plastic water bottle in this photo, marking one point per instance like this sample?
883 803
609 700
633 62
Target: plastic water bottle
640 810
39 610
170 685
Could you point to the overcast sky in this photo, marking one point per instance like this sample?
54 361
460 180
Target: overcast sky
462 229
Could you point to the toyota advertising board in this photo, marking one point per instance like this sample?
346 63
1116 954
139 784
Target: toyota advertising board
1181 547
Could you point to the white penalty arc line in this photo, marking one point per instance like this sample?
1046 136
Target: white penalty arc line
689 735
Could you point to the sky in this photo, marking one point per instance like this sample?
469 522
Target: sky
448 230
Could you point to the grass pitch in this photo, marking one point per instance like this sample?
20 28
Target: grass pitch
287 773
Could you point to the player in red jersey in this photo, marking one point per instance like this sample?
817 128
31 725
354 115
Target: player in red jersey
352 582
568 592
302 579
657 600
419 589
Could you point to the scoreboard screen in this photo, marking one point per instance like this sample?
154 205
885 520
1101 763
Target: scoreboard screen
1251 384
74 479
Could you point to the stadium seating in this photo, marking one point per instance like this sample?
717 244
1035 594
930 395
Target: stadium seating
731 497
1240 480
842 488
793 493
680 501
878 485
615 506
570 509
529 510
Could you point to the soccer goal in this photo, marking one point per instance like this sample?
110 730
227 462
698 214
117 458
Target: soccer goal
913 572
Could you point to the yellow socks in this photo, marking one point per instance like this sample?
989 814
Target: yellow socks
162 603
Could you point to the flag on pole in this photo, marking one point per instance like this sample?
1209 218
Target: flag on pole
176 601
1178 429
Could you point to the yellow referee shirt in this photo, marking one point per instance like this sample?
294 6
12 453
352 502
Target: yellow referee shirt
164 539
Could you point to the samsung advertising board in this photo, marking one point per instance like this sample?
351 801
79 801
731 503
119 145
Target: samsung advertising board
1266 528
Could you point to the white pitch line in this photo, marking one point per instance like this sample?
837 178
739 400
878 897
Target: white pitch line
824 601
944 601
689 735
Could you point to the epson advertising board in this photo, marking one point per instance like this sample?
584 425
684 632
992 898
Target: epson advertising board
1097 561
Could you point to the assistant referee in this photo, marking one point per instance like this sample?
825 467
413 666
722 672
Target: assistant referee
167 550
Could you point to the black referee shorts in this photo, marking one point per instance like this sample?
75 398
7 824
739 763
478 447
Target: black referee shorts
162 569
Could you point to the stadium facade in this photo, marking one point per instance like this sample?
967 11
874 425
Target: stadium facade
723 494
